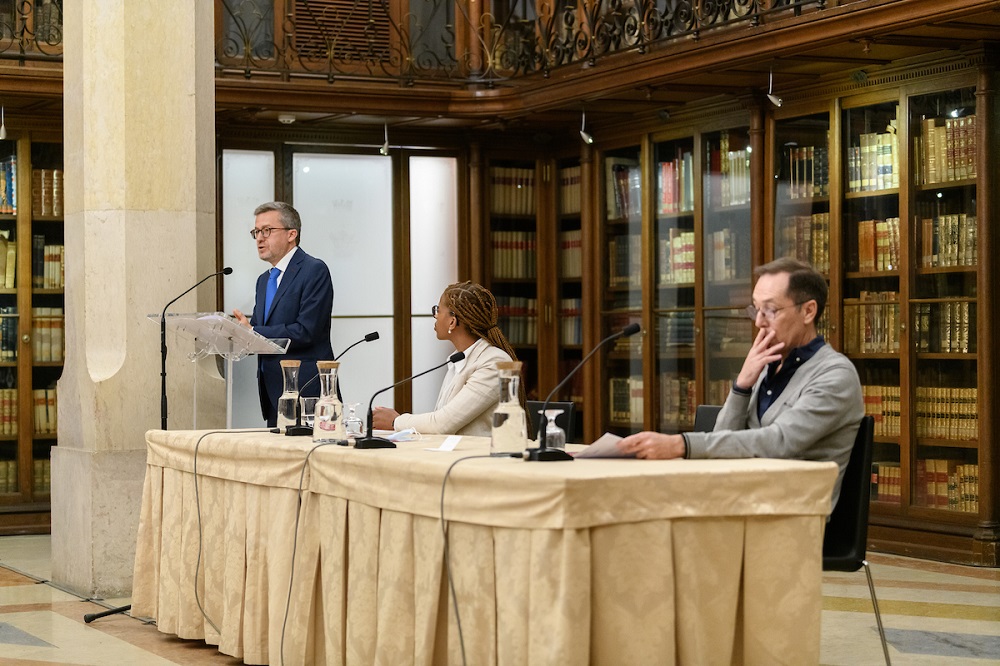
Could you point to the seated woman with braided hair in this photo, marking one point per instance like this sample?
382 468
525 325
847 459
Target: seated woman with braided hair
466 315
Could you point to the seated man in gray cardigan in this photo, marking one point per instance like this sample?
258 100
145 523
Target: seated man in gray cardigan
795 397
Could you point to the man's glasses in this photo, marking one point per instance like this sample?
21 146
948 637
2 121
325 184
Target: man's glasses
264 232
768 312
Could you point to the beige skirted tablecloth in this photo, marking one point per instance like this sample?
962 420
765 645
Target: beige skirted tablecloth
595 561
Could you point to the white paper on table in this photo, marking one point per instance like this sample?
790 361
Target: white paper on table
605 446
449 443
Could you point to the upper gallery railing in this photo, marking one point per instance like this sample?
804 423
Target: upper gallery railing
463 41
31 30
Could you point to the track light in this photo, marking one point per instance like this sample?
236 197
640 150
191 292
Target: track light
384 150
583 129
770 86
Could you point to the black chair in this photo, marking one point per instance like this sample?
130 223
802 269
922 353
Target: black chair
704 417
566 420
846 540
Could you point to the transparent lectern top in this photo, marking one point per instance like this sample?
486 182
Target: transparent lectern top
218 333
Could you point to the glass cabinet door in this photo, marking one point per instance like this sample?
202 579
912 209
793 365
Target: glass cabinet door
726 257
570 282
621 300
673 170
943 303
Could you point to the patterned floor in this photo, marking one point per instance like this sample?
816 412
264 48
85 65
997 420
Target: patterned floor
933 613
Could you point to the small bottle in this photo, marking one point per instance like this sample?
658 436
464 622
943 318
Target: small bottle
510 425
353 424
555 436
328 426
290 395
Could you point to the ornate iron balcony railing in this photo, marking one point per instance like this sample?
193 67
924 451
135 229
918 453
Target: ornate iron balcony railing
31 30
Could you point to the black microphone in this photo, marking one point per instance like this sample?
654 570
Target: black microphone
299 430
542 453
163 346
369 442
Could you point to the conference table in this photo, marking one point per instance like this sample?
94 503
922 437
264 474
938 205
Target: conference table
282 553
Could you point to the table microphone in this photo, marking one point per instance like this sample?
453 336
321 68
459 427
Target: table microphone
541 453
299 430
369 442
163 346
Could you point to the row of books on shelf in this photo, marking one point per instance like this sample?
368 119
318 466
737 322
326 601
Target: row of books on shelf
571 253
48 269
808 169
676 330
949 240
8 333
45 411
675 183
946 149
512 190
678 401
8 476
676 260
717 391
878 245
574 390
883 404
948 327
569 190
47 334
728 180
727 256
871 324
623 181
8 260
571 321
47 192
873 165
625 399
625 261
8 411
513 254
8 185
947 413
518 319
806 238
42 481
732 333
938 483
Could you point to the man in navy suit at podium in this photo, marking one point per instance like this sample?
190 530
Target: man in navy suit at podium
294 300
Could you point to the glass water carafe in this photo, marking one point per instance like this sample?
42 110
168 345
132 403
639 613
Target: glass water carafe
510 425
290 395
328 426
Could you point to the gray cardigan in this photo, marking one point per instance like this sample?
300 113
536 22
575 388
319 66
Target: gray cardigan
816 417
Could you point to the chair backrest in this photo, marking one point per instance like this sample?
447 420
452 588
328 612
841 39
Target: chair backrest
704 417
846 538
566 420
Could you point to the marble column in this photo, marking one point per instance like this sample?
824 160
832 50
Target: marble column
139 95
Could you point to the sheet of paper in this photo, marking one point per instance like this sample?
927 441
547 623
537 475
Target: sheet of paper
449 443
605 446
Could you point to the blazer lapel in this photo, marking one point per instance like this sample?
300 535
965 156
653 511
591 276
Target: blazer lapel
286 280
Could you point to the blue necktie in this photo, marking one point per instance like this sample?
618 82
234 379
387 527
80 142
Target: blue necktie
272 286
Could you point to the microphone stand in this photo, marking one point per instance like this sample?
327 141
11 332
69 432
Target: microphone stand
299 430
542 453
370 442
163 346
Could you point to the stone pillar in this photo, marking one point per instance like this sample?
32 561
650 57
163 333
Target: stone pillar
139 95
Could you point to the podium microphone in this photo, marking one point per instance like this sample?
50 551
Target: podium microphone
299 430
369 442
163 345
542 453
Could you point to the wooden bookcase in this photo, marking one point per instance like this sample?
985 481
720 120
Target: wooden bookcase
32 323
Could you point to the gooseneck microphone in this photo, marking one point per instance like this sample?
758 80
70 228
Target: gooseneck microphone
369 442
542 453
299 430
163 345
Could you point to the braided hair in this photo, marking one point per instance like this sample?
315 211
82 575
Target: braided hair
476 308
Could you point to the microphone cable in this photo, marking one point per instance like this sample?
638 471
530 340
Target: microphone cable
197 503
447 558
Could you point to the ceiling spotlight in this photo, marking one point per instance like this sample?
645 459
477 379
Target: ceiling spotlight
384 150
286 118
664 115
3 125
770 87
583 129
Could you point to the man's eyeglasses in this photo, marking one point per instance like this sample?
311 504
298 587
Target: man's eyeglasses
264 232
768 312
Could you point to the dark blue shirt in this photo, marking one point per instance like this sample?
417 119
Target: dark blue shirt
775 381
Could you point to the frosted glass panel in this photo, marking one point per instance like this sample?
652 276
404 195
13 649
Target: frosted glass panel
367 367
346 206
434 261
247 182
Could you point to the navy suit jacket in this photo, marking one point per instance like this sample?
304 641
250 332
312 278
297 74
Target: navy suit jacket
301 312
